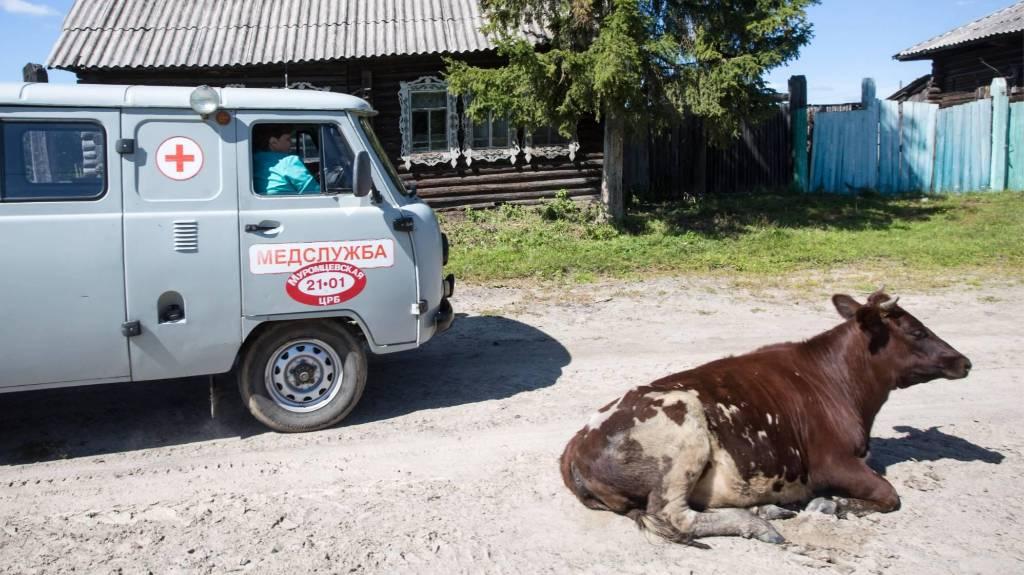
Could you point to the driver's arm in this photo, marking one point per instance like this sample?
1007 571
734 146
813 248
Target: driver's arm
298 175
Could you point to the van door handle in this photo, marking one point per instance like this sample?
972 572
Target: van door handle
403 224
264 226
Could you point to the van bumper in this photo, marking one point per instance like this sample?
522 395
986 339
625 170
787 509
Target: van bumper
445 314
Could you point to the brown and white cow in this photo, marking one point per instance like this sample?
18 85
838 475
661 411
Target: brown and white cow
717 449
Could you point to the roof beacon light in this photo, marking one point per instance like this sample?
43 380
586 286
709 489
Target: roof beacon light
204 100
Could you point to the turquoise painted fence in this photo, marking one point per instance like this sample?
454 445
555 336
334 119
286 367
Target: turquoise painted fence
906 144
897 147
889 147
845 151
963 149
1015 148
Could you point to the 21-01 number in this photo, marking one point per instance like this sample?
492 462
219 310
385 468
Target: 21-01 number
320 284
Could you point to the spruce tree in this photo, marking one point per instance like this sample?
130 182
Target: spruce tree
632 63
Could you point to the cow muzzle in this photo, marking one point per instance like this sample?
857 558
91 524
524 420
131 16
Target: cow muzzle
958 368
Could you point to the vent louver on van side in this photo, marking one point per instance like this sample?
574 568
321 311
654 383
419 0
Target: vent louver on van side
186 236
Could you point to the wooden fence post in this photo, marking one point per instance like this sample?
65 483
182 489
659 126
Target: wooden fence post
798 123
872 113
34 73
867 92
611 174
1000 134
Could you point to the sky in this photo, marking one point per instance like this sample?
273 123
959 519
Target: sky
853 39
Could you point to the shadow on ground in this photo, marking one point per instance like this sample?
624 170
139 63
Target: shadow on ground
479 359
926 445
483 358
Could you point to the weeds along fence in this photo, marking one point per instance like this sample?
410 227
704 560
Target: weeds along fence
896 147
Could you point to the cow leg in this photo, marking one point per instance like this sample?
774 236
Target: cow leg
822 505
864 491
736 522
715 522
771 511
685 524
669 515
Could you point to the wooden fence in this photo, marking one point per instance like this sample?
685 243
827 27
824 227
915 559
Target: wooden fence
887 146
680 162
895 147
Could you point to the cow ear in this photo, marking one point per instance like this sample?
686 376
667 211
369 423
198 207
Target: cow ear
845 305
870 320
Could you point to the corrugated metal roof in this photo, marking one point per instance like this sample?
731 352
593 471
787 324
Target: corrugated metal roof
1005 21
220 33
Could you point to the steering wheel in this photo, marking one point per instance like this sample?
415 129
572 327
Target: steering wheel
335 178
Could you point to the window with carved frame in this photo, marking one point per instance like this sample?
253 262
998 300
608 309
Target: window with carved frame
429 123
547 142
492 139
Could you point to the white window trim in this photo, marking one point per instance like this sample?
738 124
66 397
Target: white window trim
550 152
307 86
428 84
489 153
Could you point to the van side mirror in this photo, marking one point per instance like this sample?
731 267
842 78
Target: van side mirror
361 176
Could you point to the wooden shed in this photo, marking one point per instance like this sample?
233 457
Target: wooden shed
387 51
966 59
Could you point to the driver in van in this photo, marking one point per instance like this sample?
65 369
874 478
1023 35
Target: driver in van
276 170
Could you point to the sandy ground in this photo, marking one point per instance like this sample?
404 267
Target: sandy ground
448 465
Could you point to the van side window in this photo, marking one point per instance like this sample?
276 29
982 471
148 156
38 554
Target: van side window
300 159
52 161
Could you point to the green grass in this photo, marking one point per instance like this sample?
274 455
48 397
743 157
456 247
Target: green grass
936 239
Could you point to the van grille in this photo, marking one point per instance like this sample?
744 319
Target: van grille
186 236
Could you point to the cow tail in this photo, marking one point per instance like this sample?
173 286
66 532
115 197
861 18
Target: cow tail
649 523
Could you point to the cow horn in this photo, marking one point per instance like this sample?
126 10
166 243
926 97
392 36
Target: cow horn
888 305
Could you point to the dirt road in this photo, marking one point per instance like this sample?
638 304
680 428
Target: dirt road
449 463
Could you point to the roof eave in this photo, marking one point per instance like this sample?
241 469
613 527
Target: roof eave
911 88
926 54
234 67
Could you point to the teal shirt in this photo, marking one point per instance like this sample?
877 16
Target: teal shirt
280 173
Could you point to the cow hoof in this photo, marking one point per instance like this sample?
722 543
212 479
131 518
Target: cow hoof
822 505
772 512
770 535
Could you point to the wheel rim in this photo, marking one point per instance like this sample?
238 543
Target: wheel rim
304 375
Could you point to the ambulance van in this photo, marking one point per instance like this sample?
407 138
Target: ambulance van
148 233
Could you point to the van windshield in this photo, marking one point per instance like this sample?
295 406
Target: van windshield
379 149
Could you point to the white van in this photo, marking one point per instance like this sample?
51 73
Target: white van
155 232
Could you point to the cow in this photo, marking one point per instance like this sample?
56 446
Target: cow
722 448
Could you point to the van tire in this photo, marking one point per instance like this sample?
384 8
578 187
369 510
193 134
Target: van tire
269 378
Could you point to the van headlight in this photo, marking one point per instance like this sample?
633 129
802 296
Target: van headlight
204 100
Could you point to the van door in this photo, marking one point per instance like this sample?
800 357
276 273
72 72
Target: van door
181 244
62 280
321 250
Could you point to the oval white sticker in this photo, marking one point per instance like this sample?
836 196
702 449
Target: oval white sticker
325 284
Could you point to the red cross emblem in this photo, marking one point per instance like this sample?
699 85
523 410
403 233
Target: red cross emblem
179 158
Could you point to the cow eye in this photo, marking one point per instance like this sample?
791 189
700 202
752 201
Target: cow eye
919 334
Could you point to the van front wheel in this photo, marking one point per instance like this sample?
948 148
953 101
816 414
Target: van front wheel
302 376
